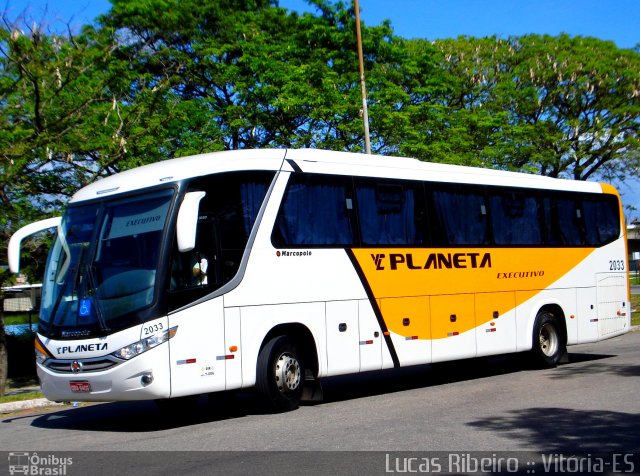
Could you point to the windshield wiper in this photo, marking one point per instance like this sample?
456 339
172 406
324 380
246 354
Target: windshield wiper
94 291
68 288
71 283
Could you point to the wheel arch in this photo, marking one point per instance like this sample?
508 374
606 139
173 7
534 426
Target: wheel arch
549 337
552 306
303 339
560 316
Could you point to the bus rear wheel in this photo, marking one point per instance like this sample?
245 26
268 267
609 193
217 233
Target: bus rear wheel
548 340
280 375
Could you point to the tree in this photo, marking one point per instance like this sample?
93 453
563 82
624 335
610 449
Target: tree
586 93
558 106
63 116
449 84
249 73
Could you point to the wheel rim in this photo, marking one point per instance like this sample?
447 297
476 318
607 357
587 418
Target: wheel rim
549 339
288 373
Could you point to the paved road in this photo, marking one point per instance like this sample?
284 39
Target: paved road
635 289
589 405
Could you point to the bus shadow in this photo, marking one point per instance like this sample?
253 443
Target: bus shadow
423 376
146 416
589 364
566 430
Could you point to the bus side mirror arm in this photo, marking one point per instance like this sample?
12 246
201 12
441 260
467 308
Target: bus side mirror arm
187 224
16 239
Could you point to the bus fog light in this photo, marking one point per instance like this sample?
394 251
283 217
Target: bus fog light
146 379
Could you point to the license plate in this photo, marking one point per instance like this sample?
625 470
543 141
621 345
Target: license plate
80 386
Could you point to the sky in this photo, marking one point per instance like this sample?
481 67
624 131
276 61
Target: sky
615 20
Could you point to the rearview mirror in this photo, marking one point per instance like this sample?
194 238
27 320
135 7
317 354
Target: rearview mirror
16 239
188 221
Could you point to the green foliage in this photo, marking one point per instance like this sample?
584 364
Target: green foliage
635 307
249 74
162 78
557 106
18 397
13 319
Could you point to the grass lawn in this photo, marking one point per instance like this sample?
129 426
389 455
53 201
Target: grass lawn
635 306
21 388
11 319
21 396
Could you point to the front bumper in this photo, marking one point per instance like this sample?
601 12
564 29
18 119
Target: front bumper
144 377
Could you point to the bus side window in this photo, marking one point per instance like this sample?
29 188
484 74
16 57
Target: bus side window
316 211
601 217
390 212
515 217
460 215
563 218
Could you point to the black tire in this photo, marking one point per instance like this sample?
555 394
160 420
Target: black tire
549 344
280 375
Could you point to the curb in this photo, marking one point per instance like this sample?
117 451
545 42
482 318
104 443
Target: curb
27 404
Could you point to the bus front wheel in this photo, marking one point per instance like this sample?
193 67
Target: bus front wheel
280 374
548 341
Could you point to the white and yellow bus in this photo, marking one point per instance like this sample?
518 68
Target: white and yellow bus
274 268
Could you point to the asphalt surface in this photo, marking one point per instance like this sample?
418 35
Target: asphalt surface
498 405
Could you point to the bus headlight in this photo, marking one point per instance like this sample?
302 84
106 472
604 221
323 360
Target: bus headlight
41 351
137 348
40 357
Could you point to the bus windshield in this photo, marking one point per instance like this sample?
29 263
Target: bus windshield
102 267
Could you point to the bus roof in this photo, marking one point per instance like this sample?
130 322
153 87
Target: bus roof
317 161
174 170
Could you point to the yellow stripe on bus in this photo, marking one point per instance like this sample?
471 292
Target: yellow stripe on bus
436 293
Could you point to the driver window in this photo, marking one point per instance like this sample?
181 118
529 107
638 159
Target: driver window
196 269
226 217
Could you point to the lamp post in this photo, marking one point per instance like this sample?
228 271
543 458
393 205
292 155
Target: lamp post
365 113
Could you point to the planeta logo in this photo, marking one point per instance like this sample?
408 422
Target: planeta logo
433 261
81 348
377 259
